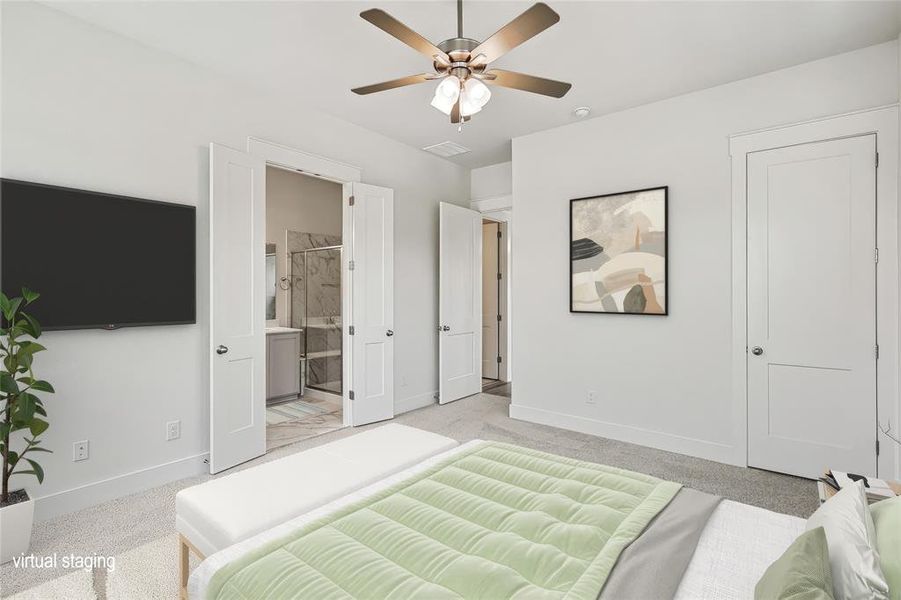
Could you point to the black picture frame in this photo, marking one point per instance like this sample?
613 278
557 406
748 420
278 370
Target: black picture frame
570 240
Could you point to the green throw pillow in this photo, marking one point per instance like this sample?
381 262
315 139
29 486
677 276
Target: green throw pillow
801 573
887 518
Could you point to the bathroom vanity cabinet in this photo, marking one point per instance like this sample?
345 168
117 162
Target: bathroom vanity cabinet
282 362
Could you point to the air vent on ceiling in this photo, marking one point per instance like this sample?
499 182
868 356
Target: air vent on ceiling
446 149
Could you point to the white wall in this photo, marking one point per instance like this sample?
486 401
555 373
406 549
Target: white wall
298 202
491 181
86 108
663 382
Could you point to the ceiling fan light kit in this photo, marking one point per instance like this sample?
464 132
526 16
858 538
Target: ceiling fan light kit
461 64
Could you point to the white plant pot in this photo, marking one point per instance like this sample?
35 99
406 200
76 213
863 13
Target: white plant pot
15 529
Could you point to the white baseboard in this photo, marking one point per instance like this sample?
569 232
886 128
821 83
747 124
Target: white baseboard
66 501
414 402
714 451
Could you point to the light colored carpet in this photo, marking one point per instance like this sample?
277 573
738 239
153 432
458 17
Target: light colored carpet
115 527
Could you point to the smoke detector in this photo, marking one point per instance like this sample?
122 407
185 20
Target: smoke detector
582 112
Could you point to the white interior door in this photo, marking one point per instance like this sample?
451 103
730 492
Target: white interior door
237 307
812 307
490 300
459 303
372 302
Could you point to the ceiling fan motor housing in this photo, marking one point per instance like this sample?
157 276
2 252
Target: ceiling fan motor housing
459 50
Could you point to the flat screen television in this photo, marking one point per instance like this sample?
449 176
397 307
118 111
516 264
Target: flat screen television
98 260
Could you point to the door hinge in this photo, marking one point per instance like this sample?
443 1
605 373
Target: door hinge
351 394
498 276
498 360
351 200
876 351
877 160
498 318
351 265
498 235
877 447
350 330
876 255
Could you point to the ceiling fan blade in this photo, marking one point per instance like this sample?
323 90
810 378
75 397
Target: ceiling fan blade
395 83
524 27
395 28
528 83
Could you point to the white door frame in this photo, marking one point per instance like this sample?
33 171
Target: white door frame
882 121
503 300
320 167
500 209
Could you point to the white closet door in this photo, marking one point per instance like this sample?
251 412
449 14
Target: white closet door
372 311
459 303
237 307
812 307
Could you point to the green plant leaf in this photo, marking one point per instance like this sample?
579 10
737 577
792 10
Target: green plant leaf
5 428
23 410
39 410
38 471
29 348
4 303
35 326
8 384
10 311
42 386
38 426
29 295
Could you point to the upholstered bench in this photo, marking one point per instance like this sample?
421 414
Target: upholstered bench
216 514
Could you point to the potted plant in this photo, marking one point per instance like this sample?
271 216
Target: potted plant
22 419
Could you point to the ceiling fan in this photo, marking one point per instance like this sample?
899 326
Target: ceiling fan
461 64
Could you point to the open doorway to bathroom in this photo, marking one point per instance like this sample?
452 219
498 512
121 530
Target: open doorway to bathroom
304 323
495 320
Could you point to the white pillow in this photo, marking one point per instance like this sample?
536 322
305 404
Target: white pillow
851 537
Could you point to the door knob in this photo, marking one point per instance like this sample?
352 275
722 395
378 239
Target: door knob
389 333
756 350
220 349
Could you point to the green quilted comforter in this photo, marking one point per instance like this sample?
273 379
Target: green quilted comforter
493 521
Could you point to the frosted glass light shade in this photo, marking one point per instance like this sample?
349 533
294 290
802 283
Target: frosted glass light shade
446 94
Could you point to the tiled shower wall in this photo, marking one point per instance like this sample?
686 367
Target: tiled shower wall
316 305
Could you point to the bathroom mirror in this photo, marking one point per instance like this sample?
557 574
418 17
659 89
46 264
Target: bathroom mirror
271 284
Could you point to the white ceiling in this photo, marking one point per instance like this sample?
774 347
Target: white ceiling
616 54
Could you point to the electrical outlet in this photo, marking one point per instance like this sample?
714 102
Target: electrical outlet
80 451
590 399
173 430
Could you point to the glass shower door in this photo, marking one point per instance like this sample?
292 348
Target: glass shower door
316 309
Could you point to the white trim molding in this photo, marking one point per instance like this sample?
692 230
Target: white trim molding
628 433
321 167
494 203
83 496
883 122
308 164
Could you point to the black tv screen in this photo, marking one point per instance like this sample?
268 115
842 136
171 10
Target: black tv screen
97 260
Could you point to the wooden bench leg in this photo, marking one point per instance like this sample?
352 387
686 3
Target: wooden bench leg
185 549
183 561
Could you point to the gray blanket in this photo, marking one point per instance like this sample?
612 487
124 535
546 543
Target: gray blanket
652 567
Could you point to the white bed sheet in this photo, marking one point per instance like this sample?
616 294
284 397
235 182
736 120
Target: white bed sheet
737 545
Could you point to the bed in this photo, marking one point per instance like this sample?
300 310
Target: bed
492 520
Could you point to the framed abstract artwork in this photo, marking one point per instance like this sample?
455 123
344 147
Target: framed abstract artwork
618 253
